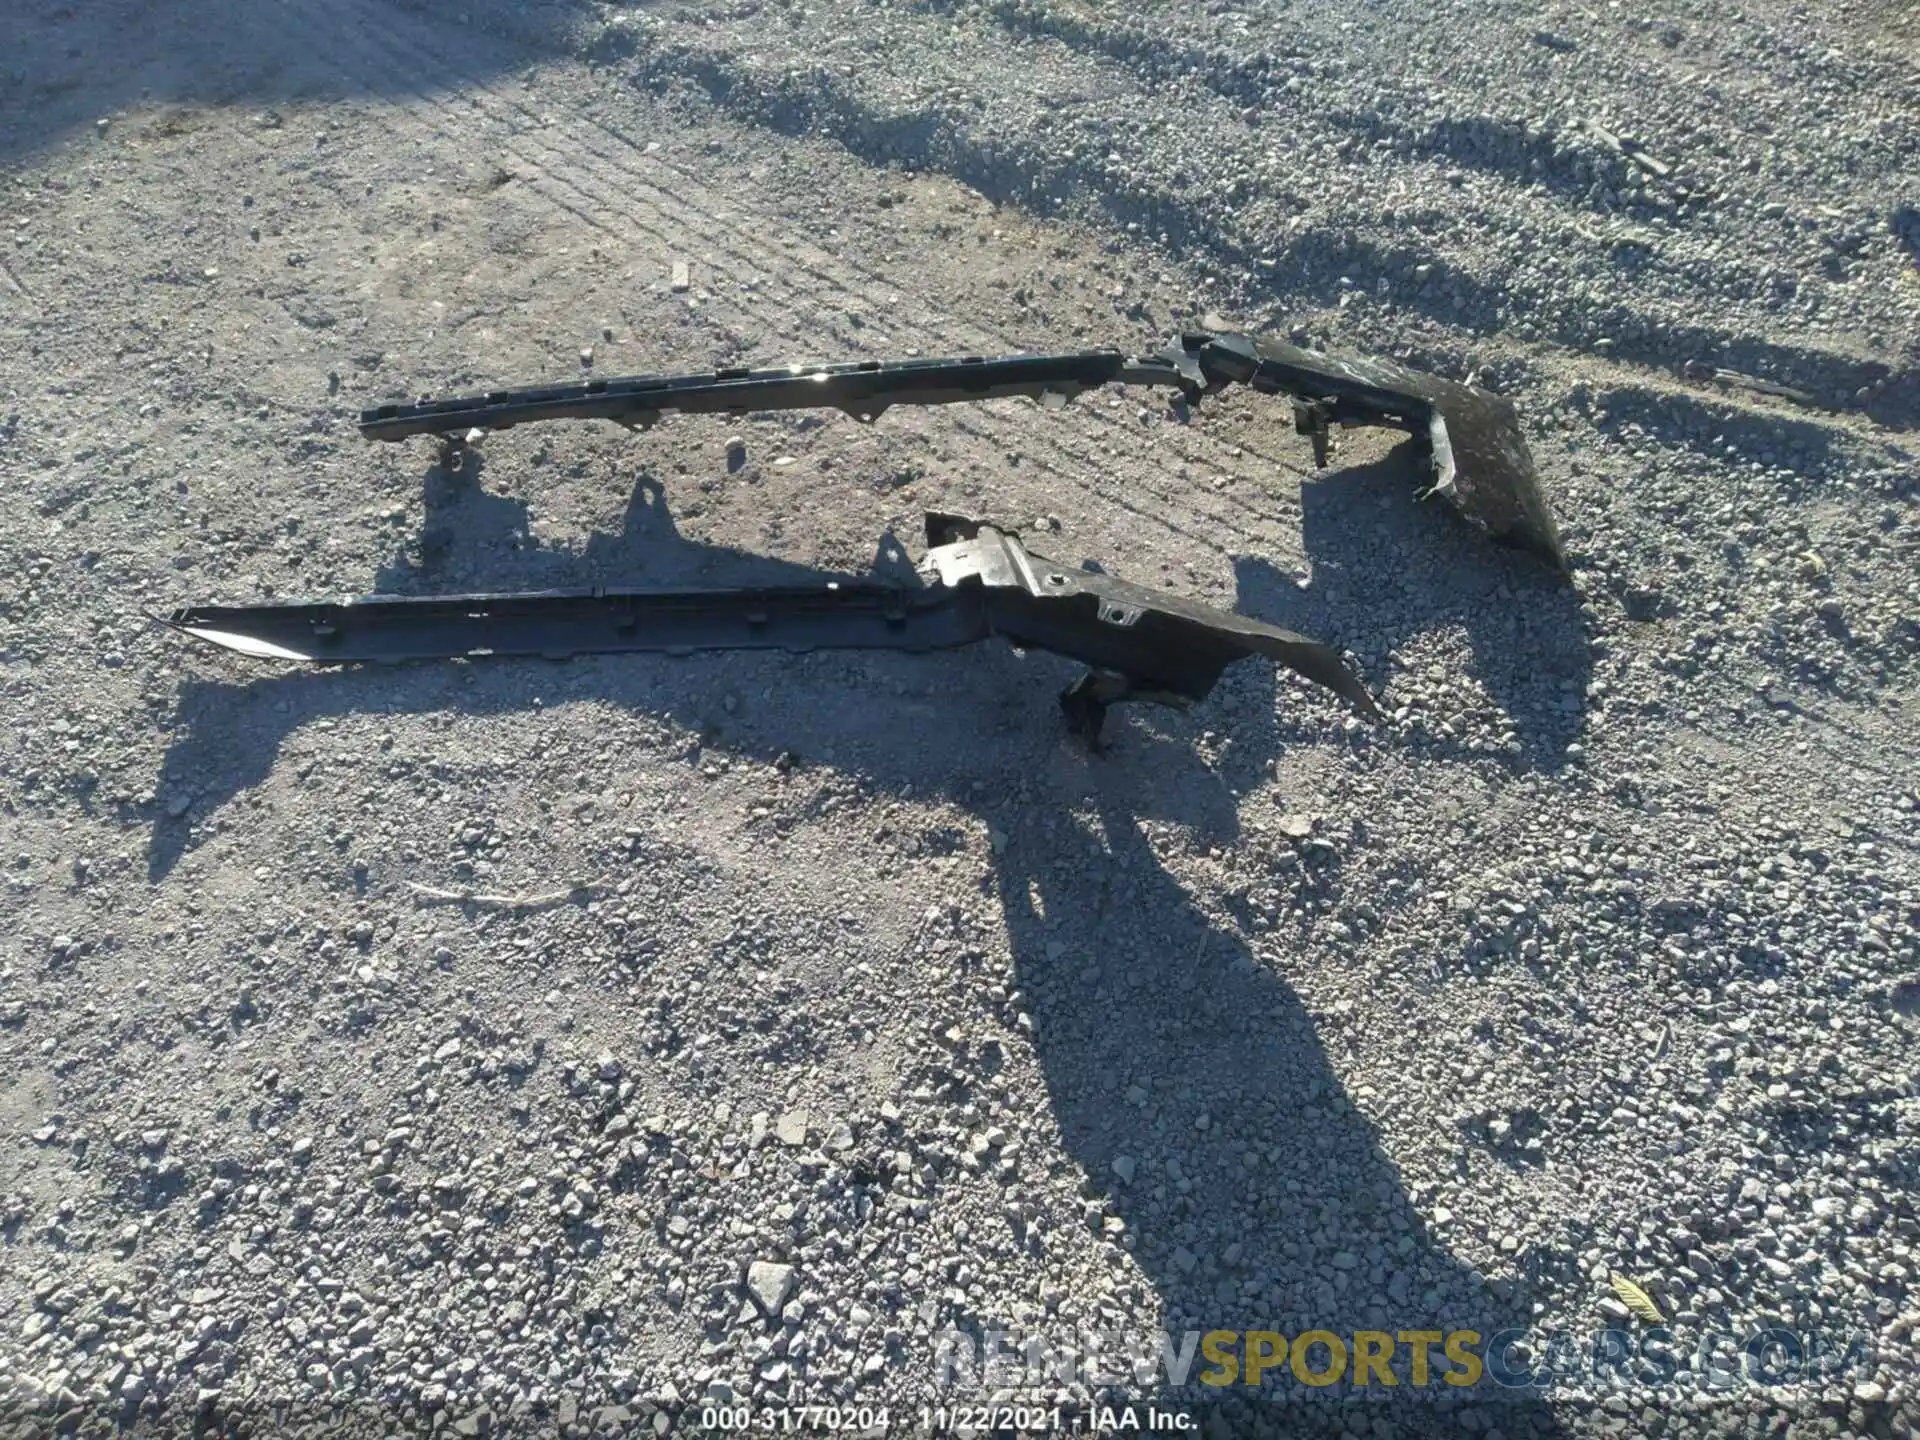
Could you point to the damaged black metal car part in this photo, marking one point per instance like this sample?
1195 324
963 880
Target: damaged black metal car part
1481 464
1139 644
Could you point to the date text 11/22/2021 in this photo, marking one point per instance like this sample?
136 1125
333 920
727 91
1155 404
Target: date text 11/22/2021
944 1419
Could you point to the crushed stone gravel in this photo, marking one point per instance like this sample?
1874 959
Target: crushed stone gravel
858 1003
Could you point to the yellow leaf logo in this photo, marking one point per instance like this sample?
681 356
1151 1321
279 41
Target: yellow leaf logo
1637 1300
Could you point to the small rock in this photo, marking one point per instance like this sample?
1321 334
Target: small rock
1124 1166
682 276
792 1128
769 1284
1296 827
1678 908
1643 602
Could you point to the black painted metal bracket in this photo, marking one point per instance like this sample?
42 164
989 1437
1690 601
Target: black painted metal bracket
1139 644
1481 464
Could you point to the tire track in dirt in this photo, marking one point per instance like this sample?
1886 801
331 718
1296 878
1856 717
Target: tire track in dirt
622 181
809 100
1506 148
852 343
977 337
827 285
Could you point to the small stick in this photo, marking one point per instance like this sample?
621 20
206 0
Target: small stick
1666 1039
433 894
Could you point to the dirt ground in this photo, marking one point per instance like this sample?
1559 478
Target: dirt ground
819 1008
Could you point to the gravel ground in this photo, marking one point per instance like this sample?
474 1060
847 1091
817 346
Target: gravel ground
853 1002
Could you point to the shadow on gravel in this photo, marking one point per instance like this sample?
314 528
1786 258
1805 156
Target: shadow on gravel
1384 564
1259 1197
1390 567
1317 266
1498 146
1905 221
472 538
65 64
1281 1213
1772 436
228 733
